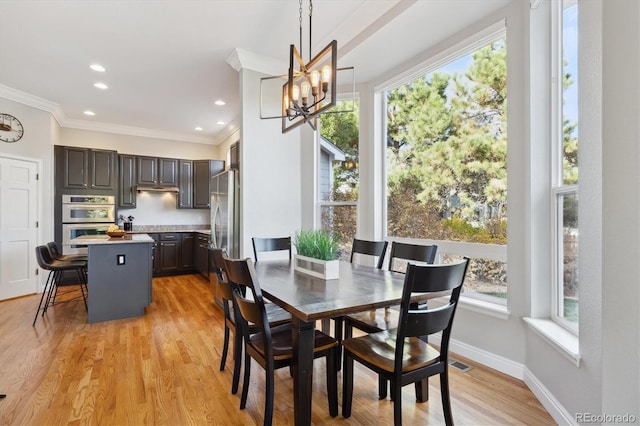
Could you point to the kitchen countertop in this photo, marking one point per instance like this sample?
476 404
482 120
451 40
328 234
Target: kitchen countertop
105 239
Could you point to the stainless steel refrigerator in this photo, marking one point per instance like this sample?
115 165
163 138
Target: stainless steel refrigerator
225 212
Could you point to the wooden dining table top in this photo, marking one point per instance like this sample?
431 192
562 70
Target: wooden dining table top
358 288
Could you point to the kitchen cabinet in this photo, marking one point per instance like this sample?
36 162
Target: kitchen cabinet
185 184
187 250
202 172
169 253
155 253
202 255
84 170
127 182
157 171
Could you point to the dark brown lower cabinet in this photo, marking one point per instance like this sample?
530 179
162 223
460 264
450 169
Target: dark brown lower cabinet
180 253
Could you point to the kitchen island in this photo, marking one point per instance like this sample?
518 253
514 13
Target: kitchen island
120 273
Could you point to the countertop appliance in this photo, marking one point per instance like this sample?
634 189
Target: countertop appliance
85 215
225 212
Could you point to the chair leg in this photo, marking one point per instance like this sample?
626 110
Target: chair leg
332 381
237 361
446 402
82 284
245 383
396 390
225 347
337 326
347 384
46 285
382 388
268 399
53 288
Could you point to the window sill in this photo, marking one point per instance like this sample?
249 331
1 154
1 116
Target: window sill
483 307
561 339
480 306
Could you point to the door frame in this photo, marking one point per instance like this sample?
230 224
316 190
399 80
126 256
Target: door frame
39 232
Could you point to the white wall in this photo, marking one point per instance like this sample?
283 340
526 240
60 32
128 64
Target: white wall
159 208
620 207
39 131
137 145
270 171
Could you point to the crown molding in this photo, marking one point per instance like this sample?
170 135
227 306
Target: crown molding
31 100
227 132
55 110
240 58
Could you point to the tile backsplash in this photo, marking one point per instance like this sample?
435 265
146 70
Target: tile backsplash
159 208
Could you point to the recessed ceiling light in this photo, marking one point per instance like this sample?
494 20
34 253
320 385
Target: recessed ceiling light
91 113
198 129
220 122
102 86
97 67
220 102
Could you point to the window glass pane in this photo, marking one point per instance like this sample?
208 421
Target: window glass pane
446 157
484 276
340 221
568 296
570 93
338 173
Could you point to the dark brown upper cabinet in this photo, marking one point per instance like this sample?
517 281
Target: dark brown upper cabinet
127 185
86 170
185 184
157 172
202 172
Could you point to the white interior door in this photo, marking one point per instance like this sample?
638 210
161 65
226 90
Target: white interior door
18 228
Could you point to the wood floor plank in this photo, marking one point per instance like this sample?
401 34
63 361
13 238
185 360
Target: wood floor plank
163 369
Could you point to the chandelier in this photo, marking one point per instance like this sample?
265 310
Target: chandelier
309 89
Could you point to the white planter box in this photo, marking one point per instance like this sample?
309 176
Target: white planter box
324 269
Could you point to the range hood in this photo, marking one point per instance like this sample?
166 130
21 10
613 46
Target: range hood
157 188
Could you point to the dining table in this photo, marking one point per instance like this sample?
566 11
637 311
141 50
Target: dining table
309 299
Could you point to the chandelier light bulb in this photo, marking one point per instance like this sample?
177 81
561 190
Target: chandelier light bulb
296 92
326 76
304 88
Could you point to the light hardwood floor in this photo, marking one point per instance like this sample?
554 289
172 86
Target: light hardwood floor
163 369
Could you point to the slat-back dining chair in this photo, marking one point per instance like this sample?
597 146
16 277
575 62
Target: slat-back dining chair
400 355
270 244
272 347
386 318
275 314
376 249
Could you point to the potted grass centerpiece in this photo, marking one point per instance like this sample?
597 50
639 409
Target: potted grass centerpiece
316 254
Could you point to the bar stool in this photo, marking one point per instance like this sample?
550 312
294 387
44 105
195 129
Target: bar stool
56 268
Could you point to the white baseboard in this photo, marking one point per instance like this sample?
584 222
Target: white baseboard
548 401
513 369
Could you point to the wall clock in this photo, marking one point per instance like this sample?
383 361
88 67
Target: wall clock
11 129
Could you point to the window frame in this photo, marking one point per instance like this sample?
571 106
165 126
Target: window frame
558 188
482 38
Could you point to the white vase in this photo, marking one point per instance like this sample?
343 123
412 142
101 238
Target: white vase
324 269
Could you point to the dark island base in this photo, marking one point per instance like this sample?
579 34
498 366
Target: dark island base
119 290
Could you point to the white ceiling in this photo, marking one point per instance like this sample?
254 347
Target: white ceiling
166 60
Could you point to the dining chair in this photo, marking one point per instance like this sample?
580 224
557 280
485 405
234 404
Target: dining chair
376 249
400 355
387 318
272 347
56 269
270 244
275 314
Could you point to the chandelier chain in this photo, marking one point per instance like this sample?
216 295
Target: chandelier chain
300 20
310 16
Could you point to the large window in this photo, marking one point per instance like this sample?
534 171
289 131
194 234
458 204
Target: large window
565 164
446 163
338 173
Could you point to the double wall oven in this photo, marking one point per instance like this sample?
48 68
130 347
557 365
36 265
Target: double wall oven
85 215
